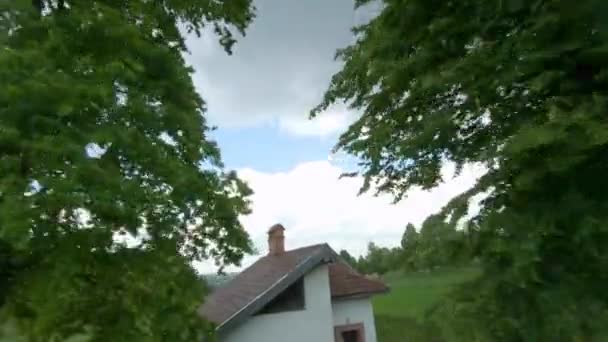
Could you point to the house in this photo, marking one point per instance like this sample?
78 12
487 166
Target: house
303 295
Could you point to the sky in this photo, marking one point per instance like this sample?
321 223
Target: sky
259 98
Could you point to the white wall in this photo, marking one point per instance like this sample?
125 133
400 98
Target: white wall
351 311
312 324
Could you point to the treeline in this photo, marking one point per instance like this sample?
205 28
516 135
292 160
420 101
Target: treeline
436 244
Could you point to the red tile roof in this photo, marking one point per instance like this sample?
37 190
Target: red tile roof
253 283
227 300
346 282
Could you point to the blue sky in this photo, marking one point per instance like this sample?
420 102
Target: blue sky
259 99
260 96
268 149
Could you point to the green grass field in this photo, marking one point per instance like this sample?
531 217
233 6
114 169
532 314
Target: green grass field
400 313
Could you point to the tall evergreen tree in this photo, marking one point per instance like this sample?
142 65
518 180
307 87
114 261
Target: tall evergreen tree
409 245
522 88
409 237
102 134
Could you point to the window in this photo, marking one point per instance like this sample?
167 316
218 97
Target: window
292 299
350 333
350 336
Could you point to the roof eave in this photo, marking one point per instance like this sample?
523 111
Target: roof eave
361 295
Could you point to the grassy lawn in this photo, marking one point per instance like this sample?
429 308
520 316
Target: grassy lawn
400 313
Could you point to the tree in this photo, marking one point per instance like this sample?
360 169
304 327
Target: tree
102 134
440 244
520 88
379 259
410 237
409 245
363 265
349 259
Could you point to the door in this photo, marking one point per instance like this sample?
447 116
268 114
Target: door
350 333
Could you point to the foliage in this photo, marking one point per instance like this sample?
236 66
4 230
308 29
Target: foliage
378 260
521 88
102 135
410 237
349 259
438 244
409 244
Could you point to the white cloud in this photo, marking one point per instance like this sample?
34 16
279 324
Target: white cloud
315 207
279 70
329 123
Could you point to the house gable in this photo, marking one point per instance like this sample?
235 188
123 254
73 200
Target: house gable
354 311
313 323
292 299
259 284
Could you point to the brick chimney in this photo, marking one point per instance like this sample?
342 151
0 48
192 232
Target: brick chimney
276 240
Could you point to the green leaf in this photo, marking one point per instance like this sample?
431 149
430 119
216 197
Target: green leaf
100 72
65 109
425 75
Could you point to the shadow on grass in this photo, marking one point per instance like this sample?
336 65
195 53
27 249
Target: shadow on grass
406 329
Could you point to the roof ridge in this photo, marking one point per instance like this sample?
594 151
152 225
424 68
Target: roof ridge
240 274
309 246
